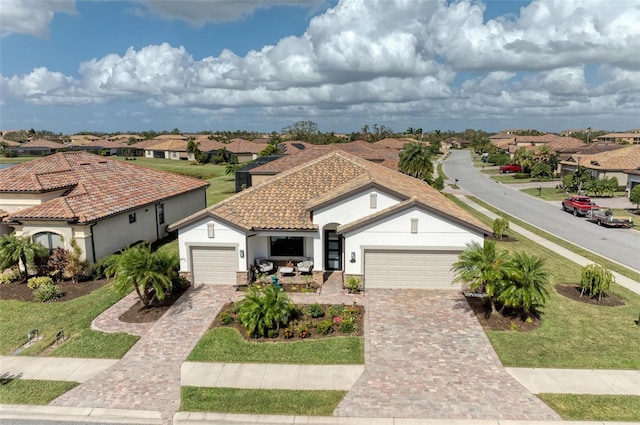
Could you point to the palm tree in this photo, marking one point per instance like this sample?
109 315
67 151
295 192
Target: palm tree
251 313
525 283
20 250
278 307
151 274
415 160
480 266
193 148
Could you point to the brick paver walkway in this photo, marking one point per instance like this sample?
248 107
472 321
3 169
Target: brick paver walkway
148 376
427 357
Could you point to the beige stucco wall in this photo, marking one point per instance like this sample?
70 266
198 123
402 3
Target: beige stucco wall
259 178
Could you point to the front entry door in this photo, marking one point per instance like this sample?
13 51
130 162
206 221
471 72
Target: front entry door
333 250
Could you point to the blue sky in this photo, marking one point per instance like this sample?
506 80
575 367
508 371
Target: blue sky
71 66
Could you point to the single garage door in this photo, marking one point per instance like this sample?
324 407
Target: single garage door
409 269
214 265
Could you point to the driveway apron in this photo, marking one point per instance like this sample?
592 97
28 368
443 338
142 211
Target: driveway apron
428 357
148 376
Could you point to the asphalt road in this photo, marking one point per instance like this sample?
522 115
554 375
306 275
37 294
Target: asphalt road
621 245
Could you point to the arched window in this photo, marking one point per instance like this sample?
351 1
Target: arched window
49 240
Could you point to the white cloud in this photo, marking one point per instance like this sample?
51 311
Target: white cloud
31 17
379 58
200 12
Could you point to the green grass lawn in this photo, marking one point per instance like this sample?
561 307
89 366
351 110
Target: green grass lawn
260 402
27 391
586 407
573 334
220 188
74 317
187 168
227 345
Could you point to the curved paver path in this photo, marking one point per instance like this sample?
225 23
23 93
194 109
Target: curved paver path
428 357
148 376
109 320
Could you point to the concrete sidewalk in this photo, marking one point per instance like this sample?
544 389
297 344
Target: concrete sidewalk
270 376
578 381
53 368
21 412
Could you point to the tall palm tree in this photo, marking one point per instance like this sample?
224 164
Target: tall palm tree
193 148
151 274
525 285
20 250
480 266
415 160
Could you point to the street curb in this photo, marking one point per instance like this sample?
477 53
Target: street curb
201 418
80 414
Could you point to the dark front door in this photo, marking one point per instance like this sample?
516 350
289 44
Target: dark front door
332 250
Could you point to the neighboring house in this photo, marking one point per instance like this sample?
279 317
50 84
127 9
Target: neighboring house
125 138
631 138
207 146
606 164
99 147
633 179
167 149
348 214
104 204
396 144
39 147
244 150
455 143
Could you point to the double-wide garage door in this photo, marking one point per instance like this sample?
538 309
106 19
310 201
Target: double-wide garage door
409 269
214 265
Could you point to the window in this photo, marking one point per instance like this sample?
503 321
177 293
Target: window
49 240
132 218
161 213
287 246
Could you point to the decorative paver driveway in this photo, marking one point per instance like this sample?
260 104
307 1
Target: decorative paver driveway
427 357
148 376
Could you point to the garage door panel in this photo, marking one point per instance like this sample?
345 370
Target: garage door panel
409 269
214 265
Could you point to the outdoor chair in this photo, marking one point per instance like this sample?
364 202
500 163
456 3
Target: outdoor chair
305 266
263 265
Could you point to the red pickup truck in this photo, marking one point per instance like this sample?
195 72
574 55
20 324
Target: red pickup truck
511 168
578 205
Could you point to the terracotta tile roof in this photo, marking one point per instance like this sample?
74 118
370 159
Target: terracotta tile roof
289 161
41 143
175 145
9 143
84 137
635 172
97 187
170 137
208 145
625 158
294 146
243 146
597 147
284 202
397 144
146 144
100 143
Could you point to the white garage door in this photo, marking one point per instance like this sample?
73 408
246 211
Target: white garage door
409 269
214 265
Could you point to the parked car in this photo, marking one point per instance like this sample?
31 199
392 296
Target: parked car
511 168
607 219
578 205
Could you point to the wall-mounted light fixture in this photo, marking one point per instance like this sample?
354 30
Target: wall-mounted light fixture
353 257
242 253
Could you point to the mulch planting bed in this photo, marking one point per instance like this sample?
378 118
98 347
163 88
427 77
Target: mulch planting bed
573 292
298 319
505 320
21 292
137 313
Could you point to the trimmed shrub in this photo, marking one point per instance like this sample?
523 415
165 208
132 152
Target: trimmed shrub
353 284
226 318
313 310
324 327
9 276
348 325
37 282
48 292
335 310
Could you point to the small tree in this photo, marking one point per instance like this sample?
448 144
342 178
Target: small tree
500 227
150 274
634 196
261 311
75 267
525 283
596 280
21 251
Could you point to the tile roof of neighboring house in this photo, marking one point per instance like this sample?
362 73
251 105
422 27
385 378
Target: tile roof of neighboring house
125 137
619 135
83 137
170 137
209 145
294 146
396 143
146 144
597 147
500 135
41 143
100 143
284 202
169 145
9 143
96 187
502 143
457 140
243 146
625 158
635 172
3 214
